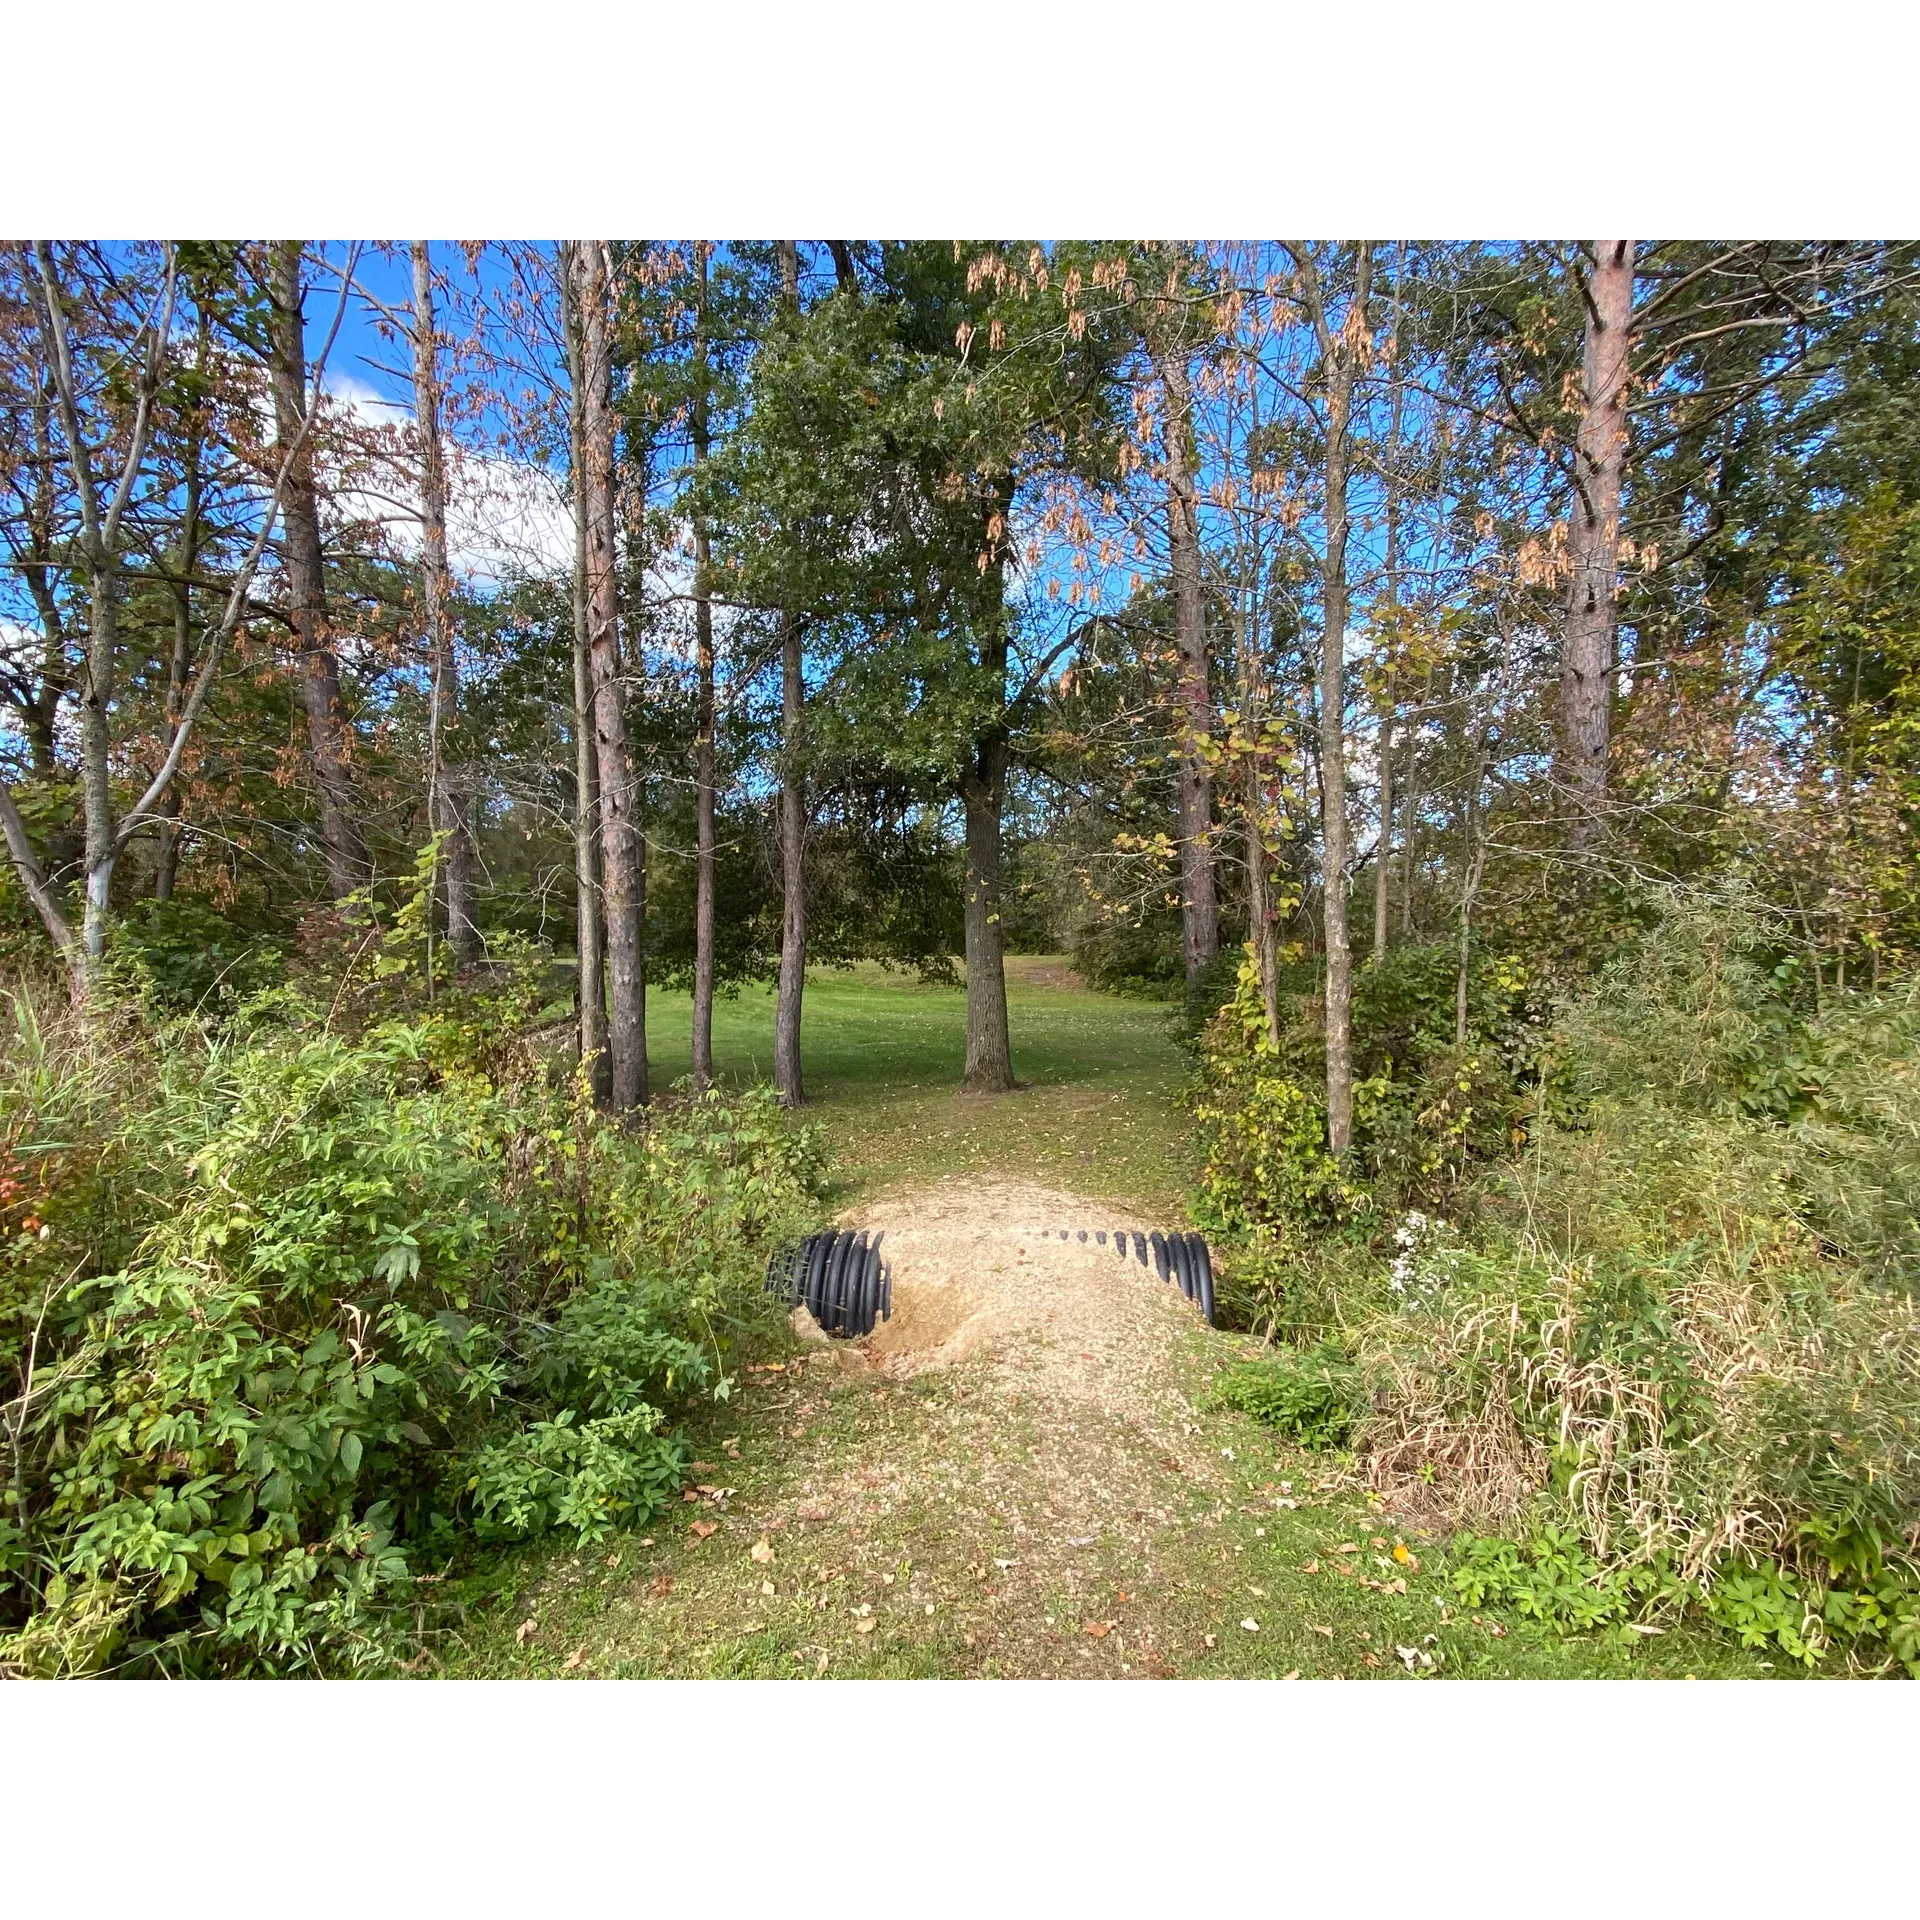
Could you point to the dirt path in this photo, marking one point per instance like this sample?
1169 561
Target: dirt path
1020 1474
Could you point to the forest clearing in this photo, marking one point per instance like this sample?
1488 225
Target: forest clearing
759 993
538 776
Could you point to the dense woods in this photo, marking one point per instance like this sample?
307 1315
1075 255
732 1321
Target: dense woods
1478 685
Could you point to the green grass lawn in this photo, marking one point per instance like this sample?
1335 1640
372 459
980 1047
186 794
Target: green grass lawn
882 1054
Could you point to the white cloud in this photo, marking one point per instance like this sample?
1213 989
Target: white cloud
505 517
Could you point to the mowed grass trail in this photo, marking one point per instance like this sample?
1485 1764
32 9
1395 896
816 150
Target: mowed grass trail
882 1054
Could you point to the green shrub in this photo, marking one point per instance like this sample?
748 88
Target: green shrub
1427 1112
378 1300
1144 960
616 1471
1665 1338
1311 1397
184 957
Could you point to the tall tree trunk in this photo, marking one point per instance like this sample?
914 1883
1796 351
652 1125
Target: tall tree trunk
99 549
450 791
590 951
186 557
622 850
341 845
1410 824
1199 909
1600 463
983 792
1340 358
1383 851
705 853
40 713
588 939
793 805
1254 803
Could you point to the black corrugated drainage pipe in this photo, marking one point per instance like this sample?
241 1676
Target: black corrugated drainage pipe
839 1277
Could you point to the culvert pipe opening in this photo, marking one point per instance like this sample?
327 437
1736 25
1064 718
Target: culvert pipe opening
839 1277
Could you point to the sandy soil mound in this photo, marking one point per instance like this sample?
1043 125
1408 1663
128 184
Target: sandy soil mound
981 1268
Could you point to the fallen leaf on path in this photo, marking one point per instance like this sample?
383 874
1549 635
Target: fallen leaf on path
864 1626
1324 1632
660 1585
1312 1566
1346 1547
1099 1629
1370 1660
1211 1640
574 1659
701 1528
761 1553
525 1632
766 1587
1294 1675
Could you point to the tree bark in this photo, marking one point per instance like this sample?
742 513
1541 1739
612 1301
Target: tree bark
1410 825
99 545
1383 852
40 711
1199 907
1253 708
186 559
983 792
1340 358
1600 461
341 845
705 847
787 1080
622 850
451 795
589 944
